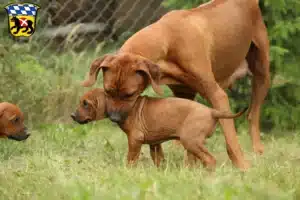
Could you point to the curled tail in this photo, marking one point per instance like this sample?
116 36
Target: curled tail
223 114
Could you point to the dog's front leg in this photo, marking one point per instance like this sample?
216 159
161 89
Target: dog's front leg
17 31
134 150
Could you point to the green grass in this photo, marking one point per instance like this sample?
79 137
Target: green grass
88 162
71 161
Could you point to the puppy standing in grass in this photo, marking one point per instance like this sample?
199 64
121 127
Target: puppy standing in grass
156 120
12 122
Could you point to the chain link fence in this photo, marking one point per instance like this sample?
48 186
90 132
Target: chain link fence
41 72
79 24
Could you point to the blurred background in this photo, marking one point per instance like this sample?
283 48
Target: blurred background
42 74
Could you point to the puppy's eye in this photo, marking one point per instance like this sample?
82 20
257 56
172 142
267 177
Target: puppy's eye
85 104
16 120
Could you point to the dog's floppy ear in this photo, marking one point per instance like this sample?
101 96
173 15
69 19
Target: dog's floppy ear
152 73
96 65
2 108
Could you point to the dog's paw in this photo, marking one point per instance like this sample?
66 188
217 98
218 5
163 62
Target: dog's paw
258 149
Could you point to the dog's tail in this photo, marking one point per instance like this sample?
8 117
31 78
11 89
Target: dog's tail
223 114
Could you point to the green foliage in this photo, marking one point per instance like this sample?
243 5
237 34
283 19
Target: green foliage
282 18
183 4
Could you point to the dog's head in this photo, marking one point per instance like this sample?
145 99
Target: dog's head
91 107
125 77
12 122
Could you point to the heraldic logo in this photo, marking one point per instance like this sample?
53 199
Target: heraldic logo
21 19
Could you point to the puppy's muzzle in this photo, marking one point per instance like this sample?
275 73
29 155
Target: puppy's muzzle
74 117
20 136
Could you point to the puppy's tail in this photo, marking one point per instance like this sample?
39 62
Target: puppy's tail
223 114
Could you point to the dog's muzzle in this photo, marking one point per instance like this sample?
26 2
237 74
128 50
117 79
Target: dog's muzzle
20 136
74 117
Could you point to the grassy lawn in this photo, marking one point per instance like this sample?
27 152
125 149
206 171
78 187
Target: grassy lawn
88 162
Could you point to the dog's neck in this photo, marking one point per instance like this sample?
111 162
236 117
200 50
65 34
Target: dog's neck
134 115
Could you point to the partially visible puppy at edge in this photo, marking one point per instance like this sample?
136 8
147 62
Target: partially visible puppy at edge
153 121
12 122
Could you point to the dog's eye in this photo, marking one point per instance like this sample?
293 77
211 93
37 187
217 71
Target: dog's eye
128 95
16 120
85 103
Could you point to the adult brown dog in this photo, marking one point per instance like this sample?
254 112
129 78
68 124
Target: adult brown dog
12 122
195 50
155 120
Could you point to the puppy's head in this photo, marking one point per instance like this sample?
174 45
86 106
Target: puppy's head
91 107
125 77
12 122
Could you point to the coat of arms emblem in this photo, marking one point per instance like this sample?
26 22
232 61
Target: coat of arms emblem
22 19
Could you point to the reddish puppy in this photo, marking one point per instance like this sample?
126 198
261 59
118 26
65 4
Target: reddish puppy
12 122
155 120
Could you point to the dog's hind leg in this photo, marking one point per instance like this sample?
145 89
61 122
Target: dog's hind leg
30 27
156 153
31 30
192 137
26 29
190 159
196 147
258 61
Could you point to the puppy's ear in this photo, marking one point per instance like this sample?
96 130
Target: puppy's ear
96 65
2 108
152 72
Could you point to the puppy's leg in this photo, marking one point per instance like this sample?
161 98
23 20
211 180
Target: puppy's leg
190 159
258 60
204 82
134 150
156 153
196 147
196 127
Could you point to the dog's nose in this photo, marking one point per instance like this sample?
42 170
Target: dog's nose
73 116
114 117
27 134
